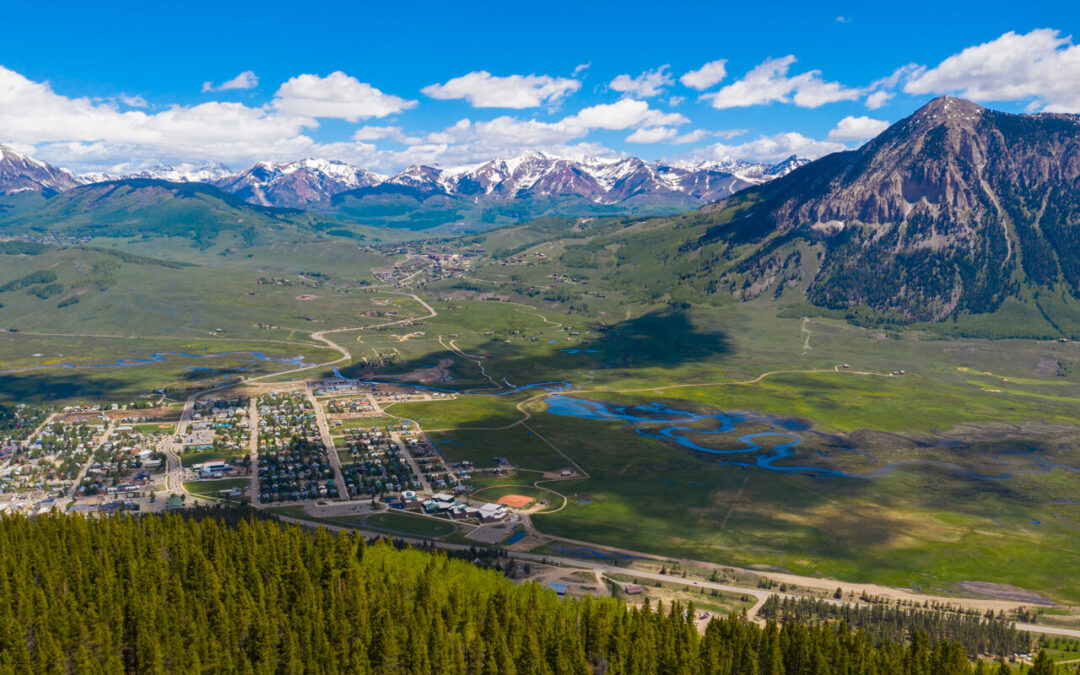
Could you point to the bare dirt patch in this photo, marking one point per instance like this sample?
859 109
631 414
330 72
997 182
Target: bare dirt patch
515 501
1002 592
1047 367
306 296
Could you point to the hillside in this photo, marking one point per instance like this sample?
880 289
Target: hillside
199 594
19 174
954 213
140 208
953 209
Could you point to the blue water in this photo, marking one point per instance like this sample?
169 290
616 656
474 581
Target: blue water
583 552
580 351
514 538
661 422
161 357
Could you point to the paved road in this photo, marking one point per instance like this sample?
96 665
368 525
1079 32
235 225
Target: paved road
328 443
760 595
253 448
425 486
62 504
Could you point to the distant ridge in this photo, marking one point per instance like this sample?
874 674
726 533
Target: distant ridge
528 175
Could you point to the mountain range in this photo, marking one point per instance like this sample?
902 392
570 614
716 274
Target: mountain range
529 175
954 211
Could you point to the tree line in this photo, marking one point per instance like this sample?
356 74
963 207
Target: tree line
977 634
173 593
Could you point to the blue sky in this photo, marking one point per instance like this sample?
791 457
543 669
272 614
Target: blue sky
122 85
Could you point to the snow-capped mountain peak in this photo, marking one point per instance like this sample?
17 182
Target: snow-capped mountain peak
532 174
183 173
296 184
22 173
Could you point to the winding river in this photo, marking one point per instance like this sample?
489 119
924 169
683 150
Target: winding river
658 421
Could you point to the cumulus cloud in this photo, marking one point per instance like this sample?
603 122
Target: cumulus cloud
881 91
86 134
878 99
692 137
646 85
508 131
705 76
581 68
1041 66
769 82
484 90
245 80
857 128
623 114
652 135
376 133
337 96
773 148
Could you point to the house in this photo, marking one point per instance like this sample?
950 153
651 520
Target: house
560 589
633 589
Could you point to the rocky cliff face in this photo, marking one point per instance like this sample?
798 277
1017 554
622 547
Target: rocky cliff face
19 173
953 208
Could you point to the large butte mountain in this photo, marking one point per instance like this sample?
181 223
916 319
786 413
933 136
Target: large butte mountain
953 209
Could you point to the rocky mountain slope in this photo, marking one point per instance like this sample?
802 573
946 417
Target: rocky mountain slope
296 184
536 175
955 208
498 191
20 173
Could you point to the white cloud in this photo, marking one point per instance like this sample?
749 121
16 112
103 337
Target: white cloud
84 133
692 137
705 76
508 131
623 114
646 85
857 128
1040 65
878 99
87 134
773 148
652 135
676 101
881 90
133 101
769 82
581 68
375 133
337 96
245 80
484 90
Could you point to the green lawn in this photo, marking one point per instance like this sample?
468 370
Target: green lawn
210 488
404 523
